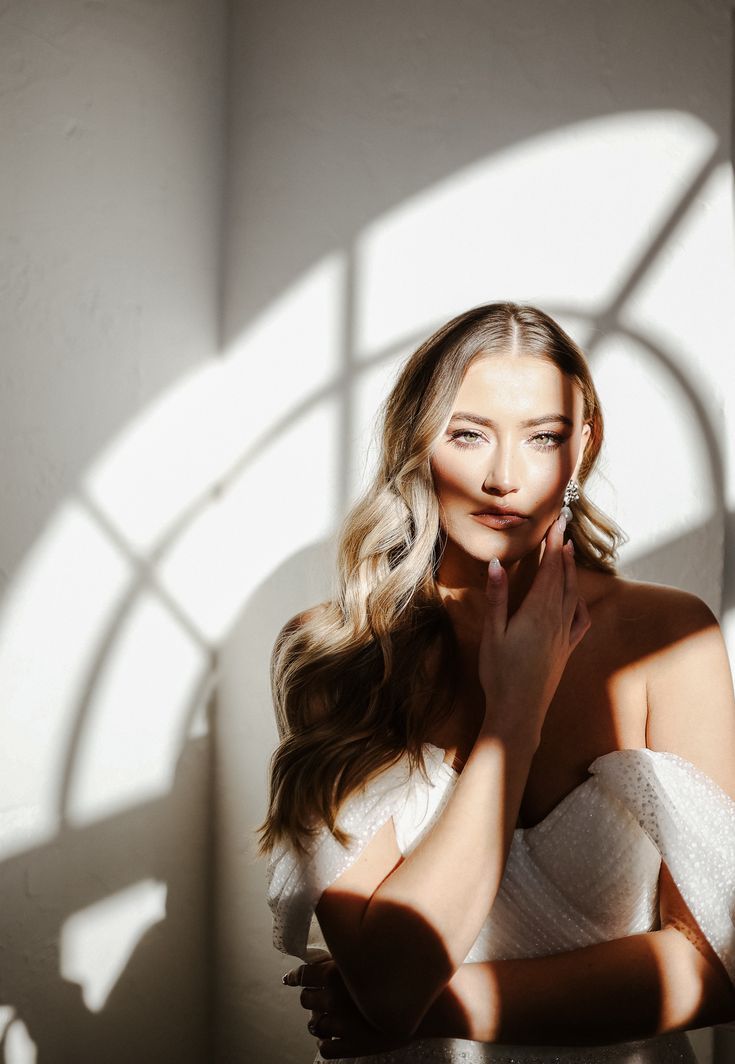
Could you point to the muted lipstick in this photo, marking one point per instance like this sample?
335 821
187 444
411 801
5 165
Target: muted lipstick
499 521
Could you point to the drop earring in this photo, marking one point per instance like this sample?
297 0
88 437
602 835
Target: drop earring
571 494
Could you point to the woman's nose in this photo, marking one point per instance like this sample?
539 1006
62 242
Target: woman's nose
502 472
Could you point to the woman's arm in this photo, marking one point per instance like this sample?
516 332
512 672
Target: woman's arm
634 987
399 928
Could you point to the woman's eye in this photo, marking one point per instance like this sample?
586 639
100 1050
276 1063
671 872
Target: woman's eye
466 443
545 441
548 440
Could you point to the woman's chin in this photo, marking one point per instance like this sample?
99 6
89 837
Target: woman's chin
506 553
507 546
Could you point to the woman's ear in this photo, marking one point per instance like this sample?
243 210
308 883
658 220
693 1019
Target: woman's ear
584 440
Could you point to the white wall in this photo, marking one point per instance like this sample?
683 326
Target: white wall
111 129
390 165
164 511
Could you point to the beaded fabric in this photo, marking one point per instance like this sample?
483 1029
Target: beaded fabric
588 872
664 1049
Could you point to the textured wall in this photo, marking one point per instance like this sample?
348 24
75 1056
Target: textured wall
111 125
387 165
390 165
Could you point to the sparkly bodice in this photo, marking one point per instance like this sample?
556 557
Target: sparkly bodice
588 872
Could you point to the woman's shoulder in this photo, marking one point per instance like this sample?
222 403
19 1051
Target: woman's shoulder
653 615
303 617
286 649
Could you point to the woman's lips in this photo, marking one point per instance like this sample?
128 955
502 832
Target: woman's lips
499 520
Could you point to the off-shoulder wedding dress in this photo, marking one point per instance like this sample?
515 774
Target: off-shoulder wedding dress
588 872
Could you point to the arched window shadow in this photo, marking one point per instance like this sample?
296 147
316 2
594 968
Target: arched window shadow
51 1007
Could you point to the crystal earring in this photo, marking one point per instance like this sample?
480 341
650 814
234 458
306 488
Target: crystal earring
571 494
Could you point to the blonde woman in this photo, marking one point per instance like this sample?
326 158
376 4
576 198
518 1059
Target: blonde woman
502 810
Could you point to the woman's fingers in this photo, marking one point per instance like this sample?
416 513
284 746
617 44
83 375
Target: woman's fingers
326 1025
294 976
581 623
574 608
314 974
340 1047
571 592
551 563
358 1045
316 1000
340 1029
557 575
496 593
550 573
349 1046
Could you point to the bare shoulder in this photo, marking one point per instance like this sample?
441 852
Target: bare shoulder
655 633
676 639
313 700
652 614
293 624
679 610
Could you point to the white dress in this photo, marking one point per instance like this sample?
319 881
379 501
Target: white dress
587 873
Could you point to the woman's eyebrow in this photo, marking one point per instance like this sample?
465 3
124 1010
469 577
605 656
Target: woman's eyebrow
478 419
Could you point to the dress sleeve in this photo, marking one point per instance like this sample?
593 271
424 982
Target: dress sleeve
297 881
691 821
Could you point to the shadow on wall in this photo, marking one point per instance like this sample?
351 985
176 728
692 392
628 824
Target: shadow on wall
340 115
351 163
83 867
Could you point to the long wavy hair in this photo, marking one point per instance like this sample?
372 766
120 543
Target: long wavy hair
352 686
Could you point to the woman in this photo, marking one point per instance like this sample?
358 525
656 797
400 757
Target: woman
478 894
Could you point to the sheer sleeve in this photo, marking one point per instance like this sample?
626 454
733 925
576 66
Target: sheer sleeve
297 881
691 821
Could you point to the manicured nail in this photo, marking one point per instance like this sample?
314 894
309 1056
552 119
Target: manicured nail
494 569
561 522
570 544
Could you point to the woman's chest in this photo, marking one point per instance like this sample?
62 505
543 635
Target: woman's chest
599 706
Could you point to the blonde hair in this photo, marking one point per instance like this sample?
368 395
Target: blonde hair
350 680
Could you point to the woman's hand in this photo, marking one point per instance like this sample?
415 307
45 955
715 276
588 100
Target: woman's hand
335 1021
521 660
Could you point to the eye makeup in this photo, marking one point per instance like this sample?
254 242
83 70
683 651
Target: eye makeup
554 439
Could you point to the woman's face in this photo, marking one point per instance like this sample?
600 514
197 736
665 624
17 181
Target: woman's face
515 438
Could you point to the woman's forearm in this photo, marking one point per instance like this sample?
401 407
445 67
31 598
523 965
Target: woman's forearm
421 922
634 987
451 878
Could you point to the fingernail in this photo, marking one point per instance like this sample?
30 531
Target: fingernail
561 522
494 568
570 544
